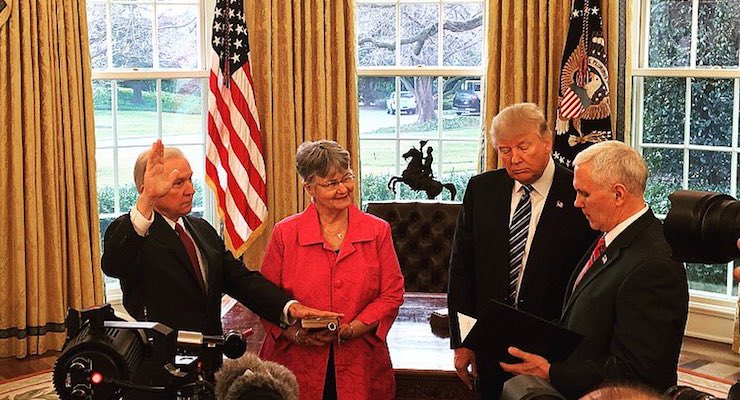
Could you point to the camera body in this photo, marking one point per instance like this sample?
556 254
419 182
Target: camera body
104 356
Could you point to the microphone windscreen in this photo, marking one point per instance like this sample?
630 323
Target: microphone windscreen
251 378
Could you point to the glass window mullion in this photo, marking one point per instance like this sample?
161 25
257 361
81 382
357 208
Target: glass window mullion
694 32
687 134
114 135
159 96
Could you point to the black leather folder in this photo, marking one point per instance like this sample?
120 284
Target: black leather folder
500 326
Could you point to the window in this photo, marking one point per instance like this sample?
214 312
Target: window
421 87
685 107
149 80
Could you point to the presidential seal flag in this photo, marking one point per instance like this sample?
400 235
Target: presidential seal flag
235 166
583 115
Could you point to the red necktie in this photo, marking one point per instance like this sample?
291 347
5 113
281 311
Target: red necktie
598 250
190 249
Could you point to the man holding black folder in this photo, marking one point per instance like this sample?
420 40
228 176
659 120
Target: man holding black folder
627 297
518 237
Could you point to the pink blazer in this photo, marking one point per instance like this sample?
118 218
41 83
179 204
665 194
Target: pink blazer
363 281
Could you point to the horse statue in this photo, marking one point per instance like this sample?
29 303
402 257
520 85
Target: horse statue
418 174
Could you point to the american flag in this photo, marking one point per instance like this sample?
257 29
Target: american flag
235 167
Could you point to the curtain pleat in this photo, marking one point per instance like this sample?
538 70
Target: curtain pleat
525 47
50 248
303 63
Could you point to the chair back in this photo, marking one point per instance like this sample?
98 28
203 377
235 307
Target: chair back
422 235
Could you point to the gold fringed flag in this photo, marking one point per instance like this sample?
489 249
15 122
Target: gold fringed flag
583 115
235 166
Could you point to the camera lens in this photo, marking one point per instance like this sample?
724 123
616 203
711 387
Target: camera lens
703 227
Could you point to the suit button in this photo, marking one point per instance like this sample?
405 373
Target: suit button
338 283
521 301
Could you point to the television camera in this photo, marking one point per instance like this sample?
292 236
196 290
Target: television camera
702 227
103 357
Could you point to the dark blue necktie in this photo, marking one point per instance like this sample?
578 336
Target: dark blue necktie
518 231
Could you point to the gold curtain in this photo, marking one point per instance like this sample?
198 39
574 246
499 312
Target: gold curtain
525 47
50 245
303 63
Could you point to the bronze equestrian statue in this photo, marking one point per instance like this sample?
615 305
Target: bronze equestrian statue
418 174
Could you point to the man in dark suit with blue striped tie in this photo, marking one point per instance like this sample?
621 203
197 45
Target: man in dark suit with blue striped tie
518 237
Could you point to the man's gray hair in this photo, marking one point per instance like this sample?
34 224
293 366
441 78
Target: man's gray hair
517 119
140 166
615 162
320 158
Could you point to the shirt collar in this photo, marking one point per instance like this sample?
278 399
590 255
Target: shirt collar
612 234
541 186
172 223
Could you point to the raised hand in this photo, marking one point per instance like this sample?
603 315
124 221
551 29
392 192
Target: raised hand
157 181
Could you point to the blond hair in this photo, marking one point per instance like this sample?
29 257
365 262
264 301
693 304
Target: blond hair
517 119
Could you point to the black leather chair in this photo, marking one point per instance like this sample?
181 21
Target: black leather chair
422 235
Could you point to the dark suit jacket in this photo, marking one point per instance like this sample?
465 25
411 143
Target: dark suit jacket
632 310
159 284
479 263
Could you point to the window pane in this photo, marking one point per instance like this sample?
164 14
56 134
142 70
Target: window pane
178 36
377 165
132 35
463 34
462 98
106 186
666 176
182 111
664 112
416 23
719 33
418 96
97 32
103 115
460 161
136 121
709 278
670 33
376 34
708 170
377 99
711 111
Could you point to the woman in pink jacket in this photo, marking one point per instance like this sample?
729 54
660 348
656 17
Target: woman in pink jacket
333 256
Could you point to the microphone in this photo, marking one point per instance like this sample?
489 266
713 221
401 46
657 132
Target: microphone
249 378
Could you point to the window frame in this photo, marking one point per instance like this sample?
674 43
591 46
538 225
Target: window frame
711 315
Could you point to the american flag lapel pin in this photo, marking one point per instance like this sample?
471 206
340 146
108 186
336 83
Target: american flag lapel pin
559 204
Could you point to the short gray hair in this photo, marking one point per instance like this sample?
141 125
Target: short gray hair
615 162
320 158
517 119
140 166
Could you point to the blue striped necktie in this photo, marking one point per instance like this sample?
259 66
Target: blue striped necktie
518 231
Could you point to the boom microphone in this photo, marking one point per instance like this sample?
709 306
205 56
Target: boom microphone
249 378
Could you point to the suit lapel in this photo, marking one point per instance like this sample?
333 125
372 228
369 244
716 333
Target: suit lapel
611 255
550 219
163 233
